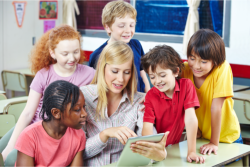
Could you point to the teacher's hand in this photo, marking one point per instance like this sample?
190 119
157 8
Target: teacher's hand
155 151
121 133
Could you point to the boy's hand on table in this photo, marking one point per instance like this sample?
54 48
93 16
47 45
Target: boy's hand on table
155 151
208 149
192 156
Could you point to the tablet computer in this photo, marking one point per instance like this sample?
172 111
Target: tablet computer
128 158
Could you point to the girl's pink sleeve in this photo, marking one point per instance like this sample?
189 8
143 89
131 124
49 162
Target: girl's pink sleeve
26 144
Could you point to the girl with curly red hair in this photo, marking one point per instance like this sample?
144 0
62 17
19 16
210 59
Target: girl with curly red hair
56 56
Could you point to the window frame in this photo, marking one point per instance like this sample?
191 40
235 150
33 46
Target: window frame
169 38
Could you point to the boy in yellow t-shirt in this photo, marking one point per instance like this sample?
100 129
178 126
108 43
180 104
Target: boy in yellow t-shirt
212 76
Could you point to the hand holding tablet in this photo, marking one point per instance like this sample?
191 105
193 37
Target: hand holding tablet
143 149
151 150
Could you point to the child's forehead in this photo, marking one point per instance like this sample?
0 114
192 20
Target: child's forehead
158 69
125 18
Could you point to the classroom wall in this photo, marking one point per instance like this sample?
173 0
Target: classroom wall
1 42
237 53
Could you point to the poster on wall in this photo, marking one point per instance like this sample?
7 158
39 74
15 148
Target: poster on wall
48 24
19 8
48 10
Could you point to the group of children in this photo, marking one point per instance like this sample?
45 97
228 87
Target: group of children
196 94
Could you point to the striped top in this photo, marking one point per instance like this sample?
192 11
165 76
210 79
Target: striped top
98 153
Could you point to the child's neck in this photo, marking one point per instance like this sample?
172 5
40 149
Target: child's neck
198 81
62 71
54 129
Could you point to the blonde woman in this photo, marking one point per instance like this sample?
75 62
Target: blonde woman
113 109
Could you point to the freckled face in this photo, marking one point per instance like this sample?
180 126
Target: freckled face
67 53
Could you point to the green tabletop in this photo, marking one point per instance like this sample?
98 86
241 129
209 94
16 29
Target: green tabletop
5 103
176 154
237 88
25 71
244 95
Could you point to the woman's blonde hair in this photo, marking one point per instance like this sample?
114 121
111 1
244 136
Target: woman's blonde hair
116 53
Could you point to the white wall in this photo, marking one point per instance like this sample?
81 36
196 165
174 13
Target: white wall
1 42
237 53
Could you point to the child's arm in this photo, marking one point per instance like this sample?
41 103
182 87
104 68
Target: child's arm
147 128
24 120
191 127
145 80
216 107
24 160
78 159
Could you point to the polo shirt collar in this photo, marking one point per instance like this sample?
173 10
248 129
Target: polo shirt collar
163 95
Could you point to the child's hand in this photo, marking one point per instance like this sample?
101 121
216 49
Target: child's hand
208 149
155 151
194 157
199 134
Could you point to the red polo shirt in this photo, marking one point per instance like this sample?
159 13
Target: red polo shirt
168 114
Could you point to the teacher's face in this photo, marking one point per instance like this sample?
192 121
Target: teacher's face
118 76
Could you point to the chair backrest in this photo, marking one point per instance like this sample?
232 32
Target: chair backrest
16 109
2 97
5 105
242 107
6 123
14 81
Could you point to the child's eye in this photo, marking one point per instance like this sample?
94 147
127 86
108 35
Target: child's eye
76 52
115 72
65 54
121 26
152 77
163 76
127 72
204 62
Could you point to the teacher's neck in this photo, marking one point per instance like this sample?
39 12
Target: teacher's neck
111 96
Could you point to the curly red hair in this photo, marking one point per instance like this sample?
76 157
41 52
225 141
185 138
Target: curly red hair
40 56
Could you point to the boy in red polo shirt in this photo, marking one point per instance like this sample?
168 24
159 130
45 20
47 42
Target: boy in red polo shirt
171 103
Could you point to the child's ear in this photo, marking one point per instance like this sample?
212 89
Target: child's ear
56 113
107 29
52 54
177 72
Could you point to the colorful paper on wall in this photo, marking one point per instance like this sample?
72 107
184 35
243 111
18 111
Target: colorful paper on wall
48 25
48 9
19 7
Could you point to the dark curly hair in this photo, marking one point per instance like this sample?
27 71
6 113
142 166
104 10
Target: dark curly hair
164 56
57 95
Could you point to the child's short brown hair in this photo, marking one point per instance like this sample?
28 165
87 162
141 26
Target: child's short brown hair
208 45
164 56
118 9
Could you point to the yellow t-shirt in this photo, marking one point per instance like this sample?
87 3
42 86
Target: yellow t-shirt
219 83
